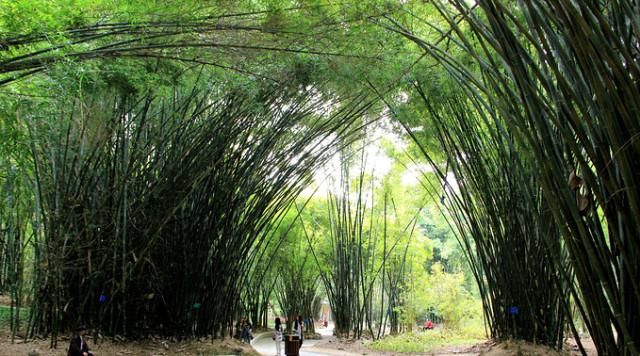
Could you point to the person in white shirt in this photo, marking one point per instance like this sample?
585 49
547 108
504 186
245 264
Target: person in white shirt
277 336
298 326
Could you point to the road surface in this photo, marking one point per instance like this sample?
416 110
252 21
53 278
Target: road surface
265 346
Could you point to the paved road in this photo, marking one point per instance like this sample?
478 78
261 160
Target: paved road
265 346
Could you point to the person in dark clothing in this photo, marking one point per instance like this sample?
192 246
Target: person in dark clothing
247 332
78 345
239 333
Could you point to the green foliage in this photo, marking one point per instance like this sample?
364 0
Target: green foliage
424 341
447 296
36 16
446 292
30 17
5 316
318 42
296 274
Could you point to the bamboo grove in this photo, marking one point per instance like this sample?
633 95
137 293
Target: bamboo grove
502 220
149 216
366 253
163 211
554 85
153 211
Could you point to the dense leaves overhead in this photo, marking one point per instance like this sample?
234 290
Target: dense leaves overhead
246 37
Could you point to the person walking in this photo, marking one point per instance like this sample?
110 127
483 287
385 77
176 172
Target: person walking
277 336
298 326
239 332
246 331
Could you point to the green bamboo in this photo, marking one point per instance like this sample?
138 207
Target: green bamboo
162 212
561 75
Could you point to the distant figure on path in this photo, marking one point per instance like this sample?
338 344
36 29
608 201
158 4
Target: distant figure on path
298 326
78 345
246 331
239 332
277 336
428 325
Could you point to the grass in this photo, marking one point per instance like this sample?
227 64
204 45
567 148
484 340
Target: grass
424 341
5 316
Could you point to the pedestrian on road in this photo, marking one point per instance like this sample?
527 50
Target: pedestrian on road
298 326
247 332
239 330
277 336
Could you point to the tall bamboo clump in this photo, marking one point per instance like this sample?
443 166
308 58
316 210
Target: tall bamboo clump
16 205
151 209
362 254
564 76
347 214
297 284
393 278
258 287
502 221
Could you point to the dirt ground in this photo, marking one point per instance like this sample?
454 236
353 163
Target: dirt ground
134 348
359 347
524 349
328 346
233 347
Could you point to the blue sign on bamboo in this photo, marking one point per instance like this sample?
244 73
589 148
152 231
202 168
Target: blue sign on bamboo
196 305
102 299
514 310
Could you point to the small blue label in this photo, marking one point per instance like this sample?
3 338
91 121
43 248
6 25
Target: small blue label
102 299
514 310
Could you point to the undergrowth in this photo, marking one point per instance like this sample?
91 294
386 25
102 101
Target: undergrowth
426 341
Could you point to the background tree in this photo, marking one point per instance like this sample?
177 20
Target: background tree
362 254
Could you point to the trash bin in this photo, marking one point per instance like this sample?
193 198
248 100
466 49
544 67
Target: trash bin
292 345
